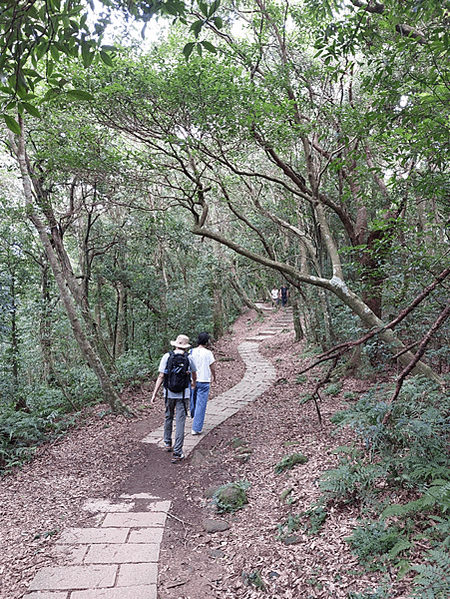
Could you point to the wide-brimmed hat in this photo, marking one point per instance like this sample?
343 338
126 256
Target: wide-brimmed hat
182 341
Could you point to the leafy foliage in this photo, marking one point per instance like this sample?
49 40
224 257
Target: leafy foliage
288 462
22 432
402 450
373 540
231 496
433 580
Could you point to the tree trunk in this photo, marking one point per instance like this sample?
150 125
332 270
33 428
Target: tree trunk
217 314
86 348
45 324
299 334
242 293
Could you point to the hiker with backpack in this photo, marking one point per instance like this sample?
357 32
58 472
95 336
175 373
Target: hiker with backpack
177 372
206 369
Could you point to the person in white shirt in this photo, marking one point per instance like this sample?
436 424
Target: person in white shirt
205 364
275 295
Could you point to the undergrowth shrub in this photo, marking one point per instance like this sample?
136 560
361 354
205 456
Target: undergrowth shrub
433 579
49 411
412 444
22 432
134 367
315 518
398 473
290 525
374 544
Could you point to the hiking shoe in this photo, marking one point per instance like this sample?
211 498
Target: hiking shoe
177 458
167 447
196 433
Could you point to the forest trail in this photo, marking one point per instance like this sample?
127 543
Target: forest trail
118 558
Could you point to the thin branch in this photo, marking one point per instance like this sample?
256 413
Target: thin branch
421 350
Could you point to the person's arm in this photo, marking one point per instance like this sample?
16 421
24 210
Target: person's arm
159 382
213 371
193 379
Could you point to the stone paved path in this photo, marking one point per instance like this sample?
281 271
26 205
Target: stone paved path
118 559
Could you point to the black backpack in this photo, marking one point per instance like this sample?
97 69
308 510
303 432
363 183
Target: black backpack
176 376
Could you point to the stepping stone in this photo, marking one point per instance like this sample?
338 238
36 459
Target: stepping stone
74 577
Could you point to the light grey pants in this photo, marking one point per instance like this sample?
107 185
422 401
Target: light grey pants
177 407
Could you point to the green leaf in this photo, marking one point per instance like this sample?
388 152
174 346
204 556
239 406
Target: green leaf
187 50
208 46
203 8
196 27
106 58
214 6
31 109
79 94
86 54
12 124
54 52
52 93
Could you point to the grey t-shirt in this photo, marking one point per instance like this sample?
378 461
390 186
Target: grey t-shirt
162 368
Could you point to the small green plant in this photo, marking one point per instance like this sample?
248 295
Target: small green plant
292 524
333 389
291 443
285 494
373 544
289 462
433 580
352 481
254 580
301 378
231 496
315 518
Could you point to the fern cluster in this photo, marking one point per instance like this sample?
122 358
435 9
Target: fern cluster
401 450
22 432
374 544
433 580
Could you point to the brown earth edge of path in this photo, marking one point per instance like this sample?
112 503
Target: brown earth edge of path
107 459
97 564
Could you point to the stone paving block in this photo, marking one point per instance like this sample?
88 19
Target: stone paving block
155 437
93 535
134 520
74 577
73 554
140 496
146 535
138 592
47 595
160 506
127 553
104 506
137 574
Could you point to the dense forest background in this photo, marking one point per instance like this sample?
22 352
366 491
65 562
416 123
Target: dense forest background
150 188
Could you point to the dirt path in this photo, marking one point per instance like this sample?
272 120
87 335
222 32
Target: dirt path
106 459
117 559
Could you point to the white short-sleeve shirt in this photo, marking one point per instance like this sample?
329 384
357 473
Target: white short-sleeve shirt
203 358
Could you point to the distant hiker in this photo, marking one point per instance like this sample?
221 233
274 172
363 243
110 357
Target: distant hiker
176 372
275 295
284 292
206 369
